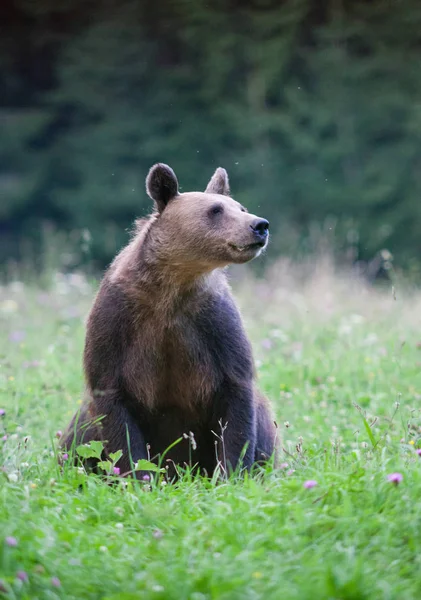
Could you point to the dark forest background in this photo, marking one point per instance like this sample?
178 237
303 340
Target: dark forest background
313 107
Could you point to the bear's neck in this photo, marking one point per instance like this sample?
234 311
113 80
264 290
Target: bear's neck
164 285
170 286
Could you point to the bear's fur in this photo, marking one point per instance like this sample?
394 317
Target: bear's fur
166 353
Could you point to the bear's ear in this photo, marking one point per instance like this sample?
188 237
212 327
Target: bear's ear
219 183
161 185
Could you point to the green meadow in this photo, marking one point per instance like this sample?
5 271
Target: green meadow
340 362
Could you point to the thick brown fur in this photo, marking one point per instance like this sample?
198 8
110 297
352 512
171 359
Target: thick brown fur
166 353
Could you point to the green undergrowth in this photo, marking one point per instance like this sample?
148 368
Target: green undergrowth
341 365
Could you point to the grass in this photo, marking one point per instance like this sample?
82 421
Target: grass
341 364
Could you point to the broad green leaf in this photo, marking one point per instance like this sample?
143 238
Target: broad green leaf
145 465
105 465
115 456
92 450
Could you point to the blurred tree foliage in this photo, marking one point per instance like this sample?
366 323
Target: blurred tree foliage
313 107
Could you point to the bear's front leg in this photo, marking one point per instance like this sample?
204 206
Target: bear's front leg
119 430
237 427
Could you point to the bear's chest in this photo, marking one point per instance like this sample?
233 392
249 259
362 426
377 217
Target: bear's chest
173 364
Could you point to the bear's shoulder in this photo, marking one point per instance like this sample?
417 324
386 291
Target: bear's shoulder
220 326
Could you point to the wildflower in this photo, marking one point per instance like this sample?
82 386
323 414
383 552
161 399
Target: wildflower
119 526
22 575
11 541
290 472
12 477
17 336
2 412
65 456
116 470
4 438
412 442
146 477
157 534
311 483
31 364
283 465
59 434
192 440
267 344
55 581
395 478
418 451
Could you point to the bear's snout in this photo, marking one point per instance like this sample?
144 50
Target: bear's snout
260 228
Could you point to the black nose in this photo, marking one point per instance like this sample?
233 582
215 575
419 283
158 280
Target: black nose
260 227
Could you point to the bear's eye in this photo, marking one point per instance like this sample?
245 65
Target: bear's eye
243 209
216 210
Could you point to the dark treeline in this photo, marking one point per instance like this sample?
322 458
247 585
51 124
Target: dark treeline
313 107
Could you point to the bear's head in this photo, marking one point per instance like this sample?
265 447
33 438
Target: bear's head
202 229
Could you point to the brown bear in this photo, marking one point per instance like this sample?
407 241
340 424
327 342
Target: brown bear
166 353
